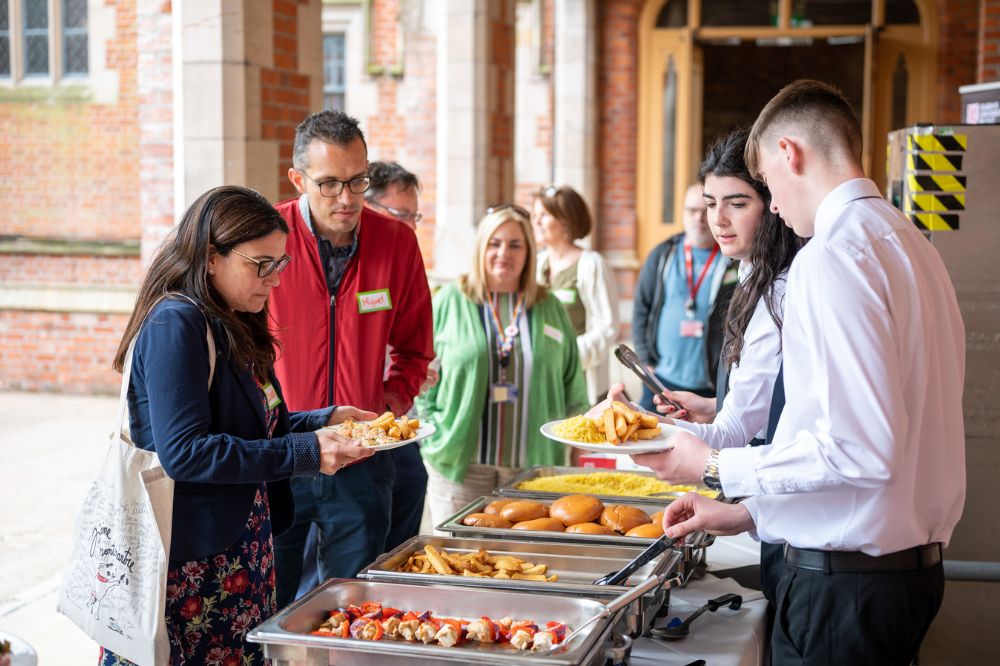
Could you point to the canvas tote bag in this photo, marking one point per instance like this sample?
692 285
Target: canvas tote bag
115 585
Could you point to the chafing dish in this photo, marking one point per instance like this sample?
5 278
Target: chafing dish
286 639
692 551
577 565
510 489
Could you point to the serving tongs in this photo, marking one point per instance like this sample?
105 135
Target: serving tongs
648 553
611 607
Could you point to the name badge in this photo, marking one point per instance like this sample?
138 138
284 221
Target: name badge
692 328
374 301
567 296
553 332
503 393
272 396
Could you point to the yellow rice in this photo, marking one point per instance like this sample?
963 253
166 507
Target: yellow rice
579 429
607 483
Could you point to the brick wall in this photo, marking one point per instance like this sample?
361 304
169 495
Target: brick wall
958 37
71 168
544 120
81 270
618 63
500 96
988 65
284 91
52 351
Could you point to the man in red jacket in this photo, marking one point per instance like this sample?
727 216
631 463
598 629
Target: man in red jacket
355 285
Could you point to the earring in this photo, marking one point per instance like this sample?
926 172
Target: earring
211 272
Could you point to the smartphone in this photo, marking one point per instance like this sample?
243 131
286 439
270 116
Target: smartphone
627 357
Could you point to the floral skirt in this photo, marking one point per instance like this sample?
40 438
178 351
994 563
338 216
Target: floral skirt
212 603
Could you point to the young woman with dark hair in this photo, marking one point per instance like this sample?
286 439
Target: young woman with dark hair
230 444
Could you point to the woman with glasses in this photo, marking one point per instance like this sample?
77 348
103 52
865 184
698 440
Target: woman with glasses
218 423
509 364
579 278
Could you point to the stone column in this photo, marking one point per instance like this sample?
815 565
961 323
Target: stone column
575 81
475 112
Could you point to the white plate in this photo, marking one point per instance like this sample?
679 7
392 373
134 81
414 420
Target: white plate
423 432
661 443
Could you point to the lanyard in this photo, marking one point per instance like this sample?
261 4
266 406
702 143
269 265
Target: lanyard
693 287
505 336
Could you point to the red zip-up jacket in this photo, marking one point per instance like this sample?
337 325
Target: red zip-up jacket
383 299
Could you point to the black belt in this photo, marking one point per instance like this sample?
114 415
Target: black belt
837 561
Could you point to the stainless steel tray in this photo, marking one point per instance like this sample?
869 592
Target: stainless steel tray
510 488
577 565
453 525
692 550
285 636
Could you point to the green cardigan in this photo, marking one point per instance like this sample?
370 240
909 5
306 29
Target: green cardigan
455 405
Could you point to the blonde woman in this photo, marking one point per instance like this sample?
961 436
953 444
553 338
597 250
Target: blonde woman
579 278
509 363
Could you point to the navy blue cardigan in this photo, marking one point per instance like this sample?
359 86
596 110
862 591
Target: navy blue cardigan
213 443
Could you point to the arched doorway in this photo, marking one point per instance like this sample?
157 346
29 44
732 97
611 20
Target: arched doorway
708 66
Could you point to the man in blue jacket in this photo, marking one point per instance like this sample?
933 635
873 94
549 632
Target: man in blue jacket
680 305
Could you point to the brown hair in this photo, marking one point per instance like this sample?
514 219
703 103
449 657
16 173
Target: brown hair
473 285
772 249
216 222
567 206
814 107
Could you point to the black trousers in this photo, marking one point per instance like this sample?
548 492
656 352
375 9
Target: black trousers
854 618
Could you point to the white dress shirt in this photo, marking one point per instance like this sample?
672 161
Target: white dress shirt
869 453
745 411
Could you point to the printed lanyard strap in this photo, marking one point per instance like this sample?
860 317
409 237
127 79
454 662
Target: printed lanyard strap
505 336
693 286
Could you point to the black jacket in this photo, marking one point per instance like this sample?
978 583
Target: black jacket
649 304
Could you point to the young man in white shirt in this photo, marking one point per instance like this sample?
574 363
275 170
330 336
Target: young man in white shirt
865 479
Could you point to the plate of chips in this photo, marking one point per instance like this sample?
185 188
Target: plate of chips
386 432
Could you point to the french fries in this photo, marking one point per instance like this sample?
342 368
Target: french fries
479 564
620 423
383 430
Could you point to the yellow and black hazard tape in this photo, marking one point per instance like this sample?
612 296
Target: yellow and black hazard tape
935 221
935 203
935 182
933 162
939 143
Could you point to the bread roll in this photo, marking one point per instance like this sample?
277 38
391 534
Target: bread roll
485 520
540 525
494 507
657 518
622 518
522 510
590 528
573 509
647 531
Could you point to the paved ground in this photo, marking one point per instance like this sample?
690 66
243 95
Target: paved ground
50 448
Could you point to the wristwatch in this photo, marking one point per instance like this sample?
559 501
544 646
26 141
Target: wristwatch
711 475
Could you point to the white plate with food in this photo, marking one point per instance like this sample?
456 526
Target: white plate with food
386 432
619 429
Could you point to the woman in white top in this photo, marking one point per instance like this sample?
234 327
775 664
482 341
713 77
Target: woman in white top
578 277
740 219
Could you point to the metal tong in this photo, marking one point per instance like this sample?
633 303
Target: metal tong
651 551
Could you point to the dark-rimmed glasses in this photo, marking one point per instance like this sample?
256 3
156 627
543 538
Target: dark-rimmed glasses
331 187
267 265
496 208
401 215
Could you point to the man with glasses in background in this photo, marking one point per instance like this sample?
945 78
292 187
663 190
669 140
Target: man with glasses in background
394 192
357 285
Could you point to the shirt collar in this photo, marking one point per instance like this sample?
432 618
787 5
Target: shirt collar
744 270
834 202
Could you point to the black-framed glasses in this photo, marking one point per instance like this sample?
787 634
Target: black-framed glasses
520 210
331 187
401 215
267 265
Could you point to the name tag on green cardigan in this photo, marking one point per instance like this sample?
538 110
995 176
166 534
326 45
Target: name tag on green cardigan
553 332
